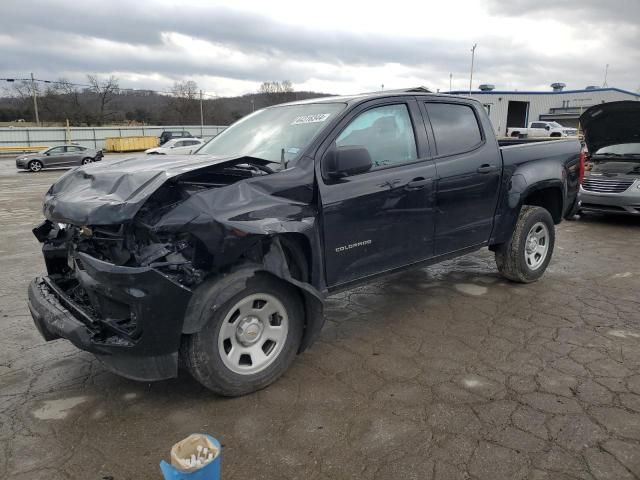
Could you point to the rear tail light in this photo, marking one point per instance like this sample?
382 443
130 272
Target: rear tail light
582 161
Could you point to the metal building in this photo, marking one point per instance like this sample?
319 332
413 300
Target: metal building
516 109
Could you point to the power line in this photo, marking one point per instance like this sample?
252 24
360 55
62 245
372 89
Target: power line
85 85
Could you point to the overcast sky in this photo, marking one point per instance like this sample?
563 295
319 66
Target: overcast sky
331 46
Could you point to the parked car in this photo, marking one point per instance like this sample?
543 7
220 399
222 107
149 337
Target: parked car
169 134
612 137
543 129
184 146
58 156
223 259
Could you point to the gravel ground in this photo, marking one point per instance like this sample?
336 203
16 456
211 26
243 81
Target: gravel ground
443 373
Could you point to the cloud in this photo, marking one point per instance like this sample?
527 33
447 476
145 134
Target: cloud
346 51
579 11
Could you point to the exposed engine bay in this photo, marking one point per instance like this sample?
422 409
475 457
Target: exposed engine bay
139 243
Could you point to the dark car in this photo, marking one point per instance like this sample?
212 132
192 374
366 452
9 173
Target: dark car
170 134
57 157
612 181
223 259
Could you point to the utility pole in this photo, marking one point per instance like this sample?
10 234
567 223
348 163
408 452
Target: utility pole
201 116
35 99
473 54
606 73
450 82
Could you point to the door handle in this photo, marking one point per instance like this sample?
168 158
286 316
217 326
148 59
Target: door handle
419 182
486 168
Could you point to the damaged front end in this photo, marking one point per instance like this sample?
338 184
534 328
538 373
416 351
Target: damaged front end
126 246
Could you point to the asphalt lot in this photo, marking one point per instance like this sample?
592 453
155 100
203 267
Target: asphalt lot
443 373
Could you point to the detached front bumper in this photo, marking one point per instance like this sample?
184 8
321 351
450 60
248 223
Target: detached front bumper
130 318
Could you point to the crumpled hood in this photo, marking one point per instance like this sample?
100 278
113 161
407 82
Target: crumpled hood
611 124
108 193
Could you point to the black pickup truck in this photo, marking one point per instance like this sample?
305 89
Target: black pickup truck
221 261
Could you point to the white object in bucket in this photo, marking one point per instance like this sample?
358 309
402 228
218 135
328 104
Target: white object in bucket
189 455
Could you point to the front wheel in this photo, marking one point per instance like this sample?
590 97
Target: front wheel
525 257
248 342
87 160
35 165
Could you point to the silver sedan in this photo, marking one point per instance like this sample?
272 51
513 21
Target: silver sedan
57 157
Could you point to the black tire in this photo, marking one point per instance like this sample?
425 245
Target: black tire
87 160
511 256
515 134
201 355
35 165
555 135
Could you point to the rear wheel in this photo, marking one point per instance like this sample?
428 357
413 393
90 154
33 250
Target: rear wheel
35 165
526 256
248 342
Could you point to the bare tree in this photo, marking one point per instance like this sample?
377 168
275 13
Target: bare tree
277 92
106 91
184 100
64 99
23 91
276 87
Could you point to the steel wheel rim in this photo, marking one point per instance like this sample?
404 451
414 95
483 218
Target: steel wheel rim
35 166
253 334
536 245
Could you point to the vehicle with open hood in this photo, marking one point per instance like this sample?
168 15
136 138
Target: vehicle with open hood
612 137
222 260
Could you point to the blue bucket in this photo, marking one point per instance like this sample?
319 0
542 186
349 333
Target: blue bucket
210 471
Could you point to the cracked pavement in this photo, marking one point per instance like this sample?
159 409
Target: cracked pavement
449 372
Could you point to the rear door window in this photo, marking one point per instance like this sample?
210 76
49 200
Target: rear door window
455 127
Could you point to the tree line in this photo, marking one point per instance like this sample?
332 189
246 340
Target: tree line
103 102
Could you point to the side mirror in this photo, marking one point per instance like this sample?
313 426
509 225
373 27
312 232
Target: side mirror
344 161
547 127
47 153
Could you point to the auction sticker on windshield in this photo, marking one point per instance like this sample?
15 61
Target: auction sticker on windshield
318 117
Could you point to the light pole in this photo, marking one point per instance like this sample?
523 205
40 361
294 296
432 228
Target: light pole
450 82
473 55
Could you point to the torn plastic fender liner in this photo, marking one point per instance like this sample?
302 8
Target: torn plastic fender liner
212 294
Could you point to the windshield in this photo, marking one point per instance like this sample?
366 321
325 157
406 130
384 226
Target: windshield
555 125
620 149
265 133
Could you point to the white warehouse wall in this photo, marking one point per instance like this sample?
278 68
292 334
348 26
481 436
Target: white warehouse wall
541 102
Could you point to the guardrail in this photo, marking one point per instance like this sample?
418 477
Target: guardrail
23 149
